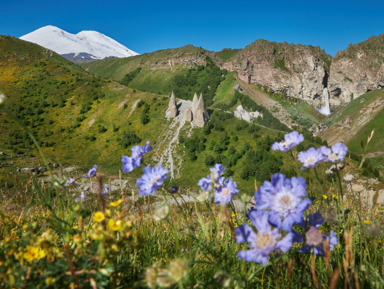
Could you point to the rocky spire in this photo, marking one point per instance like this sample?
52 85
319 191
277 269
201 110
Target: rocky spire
172 107
195 103
200 117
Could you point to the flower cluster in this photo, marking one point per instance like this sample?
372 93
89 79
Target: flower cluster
224 188
281 203
129 163
312 156
314 239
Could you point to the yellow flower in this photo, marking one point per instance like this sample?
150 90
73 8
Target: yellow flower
335 197
99 217
117 203
114 225
33 253
367 222
325 197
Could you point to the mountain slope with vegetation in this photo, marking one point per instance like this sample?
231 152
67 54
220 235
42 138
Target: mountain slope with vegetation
80 120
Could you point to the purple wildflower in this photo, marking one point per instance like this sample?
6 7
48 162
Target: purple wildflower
291 140
315 220
151 180
310 158
334 154
332 240
264 242
129 163
106 191
71 180
205 183
82 197
314 241
225 193
91 172
217 172
286 200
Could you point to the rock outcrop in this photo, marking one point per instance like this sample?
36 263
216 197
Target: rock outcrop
356 70
300 71
196 112
200 114
241 113
172 107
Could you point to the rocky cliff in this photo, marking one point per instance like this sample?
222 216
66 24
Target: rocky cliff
299 70
357 69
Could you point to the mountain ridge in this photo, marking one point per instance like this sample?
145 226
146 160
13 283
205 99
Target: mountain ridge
92 45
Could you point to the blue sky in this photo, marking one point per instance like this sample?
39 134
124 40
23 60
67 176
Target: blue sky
147 25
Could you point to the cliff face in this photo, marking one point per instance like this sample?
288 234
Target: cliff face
299 70
356 70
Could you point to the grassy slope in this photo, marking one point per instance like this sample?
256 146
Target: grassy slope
225 91
34 76
353 110
30 76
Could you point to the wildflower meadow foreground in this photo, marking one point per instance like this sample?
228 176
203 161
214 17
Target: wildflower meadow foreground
291 232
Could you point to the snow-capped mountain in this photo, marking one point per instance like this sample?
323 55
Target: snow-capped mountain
85 45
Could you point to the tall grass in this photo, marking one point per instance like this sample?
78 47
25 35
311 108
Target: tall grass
123 240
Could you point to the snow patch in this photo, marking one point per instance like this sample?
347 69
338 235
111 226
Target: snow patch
92 42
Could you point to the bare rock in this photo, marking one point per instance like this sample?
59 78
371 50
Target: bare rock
172 107
200 116
188 115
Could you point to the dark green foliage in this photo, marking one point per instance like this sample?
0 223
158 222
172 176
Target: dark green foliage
144 119
130 76
202 79
128 139
86 107
209 160
242 125
102 129
195 144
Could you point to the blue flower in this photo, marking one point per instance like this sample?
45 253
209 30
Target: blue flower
264 242
225 192
332 240
82 197
91 172
71 180
291 140
310 158
106 191
205 183
315 220
336 154
217 172
151 180
129 163
286 200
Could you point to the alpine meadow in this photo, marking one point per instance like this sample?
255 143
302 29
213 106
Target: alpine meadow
260 167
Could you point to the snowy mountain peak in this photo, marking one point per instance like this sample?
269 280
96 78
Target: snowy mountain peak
92 43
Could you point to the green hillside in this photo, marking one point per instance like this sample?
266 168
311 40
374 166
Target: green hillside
80 120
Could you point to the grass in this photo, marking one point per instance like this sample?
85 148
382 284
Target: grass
47 240
377 143
227 54
225 91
